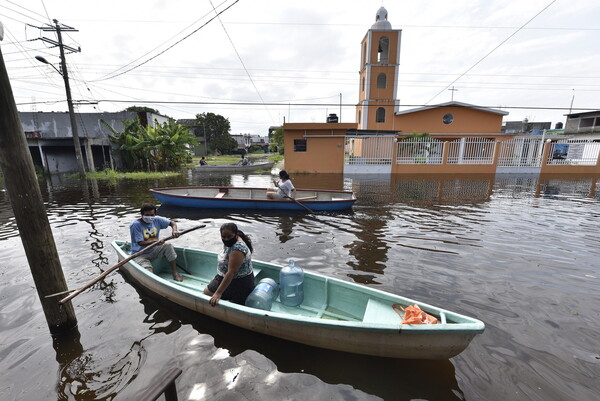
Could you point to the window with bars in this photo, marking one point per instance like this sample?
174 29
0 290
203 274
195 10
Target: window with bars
299 145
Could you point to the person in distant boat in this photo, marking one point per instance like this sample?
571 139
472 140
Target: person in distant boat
285 188
244 161
145 231
235 279
203 161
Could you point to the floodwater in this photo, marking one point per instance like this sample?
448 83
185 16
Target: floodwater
519 253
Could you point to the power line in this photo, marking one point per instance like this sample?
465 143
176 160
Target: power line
241 61
20 13
491 51
286 104
168 48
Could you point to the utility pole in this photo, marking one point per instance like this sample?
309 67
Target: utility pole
29 210
65 74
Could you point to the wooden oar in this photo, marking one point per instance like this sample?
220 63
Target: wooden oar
113 268
304 206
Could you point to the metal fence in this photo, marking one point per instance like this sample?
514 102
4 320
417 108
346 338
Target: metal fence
419 151
369 150
471 151
521 152
574 152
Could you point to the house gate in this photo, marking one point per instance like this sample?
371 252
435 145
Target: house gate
368 154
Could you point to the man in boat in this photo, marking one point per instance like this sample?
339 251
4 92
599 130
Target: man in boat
203 161
145 231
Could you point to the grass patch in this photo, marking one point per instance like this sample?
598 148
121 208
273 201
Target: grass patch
110 174
275 157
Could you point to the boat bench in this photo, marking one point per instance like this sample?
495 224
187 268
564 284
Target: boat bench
380 312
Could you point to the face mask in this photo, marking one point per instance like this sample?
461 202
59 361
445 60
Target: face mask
230 242
148 219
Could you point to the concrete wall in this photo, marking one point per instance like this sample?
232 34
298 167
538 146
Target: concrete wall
324 147
574 124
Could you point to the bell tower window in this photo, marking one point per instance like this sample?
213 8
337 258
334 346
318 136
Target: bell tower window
380 115
383 50
381 81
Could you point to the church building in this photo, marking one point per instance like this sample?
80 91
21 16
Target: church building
373 144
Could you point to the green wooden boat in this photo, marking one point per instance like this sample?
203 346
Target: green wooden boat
335 314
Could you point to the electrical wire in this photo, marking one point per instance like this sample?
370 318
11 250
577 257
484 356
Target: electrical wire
491 51
241 61
168 48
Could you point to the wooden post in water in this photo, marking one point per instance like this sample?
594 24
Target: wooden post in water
30 213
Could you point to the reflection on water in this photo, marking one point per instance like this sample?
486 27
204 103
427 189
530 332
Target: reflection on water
518 252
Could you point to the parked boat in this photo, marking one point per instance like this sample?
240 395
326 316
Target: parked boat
335 314
234 168
252 198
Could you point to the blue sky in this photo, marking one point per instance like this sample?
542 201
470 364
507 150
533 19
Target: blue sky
303 55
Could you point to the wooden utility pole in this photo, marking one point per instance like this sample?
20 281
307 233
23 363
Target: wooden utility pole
65 74
30 213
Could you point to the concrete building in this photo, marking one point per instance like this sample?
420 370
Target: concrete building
50 138
584 125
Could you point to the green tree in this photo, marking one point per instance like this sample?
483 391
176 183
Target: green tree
277 139
142 109
217 132
159 148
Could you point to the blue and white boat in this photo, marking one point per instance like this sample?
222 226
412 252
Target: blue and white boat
253 198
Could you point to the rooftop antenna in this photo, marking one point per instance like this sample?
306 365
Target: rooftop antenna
573 98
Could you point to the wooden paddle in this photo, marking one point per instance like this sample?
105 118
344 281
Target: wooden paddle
304 206
87 285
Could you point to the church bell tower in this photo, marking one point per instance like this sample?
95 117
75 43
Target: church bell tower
379 64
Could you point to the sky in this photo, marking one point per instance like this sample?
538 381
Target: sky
260 62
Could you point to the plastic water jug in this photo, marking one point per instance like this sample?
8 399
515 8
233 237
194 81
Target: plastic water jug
291 282
263 295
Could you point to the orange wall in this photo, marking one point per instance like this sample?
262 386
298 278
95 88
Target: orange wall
393 38
466 120
324 154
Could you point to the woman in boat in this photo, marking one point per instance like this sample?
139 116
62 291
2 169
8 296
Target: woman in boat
235 279
285 188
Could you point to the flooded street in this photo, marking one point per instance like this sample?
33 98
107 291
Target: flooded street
517 252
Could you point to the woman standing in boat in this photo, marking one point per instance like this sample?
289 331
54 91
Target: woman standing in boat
285 188
235 279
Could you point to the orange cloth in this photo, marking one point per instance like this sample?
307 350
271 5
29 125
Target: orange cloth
414 315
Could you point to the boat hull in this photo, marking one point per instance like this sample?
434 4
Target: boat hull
251 198
356 334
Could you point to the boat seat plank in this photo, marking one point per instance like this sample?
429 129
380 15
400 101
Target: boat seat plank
306 198
380 312
220 194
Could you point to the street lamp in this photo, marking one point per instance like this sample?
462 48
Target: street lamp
65 76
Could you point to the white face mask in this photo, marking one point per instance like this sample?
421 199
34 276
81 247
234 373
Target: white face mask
148 219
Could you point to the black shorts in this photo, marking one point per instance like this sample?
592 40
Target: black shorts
238 289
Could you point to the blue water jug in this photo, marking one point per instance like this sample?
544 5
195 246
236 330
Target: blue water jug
291 282
263 295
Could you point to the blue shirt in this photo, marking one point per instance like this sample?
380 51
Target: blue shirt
141 231
223 260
